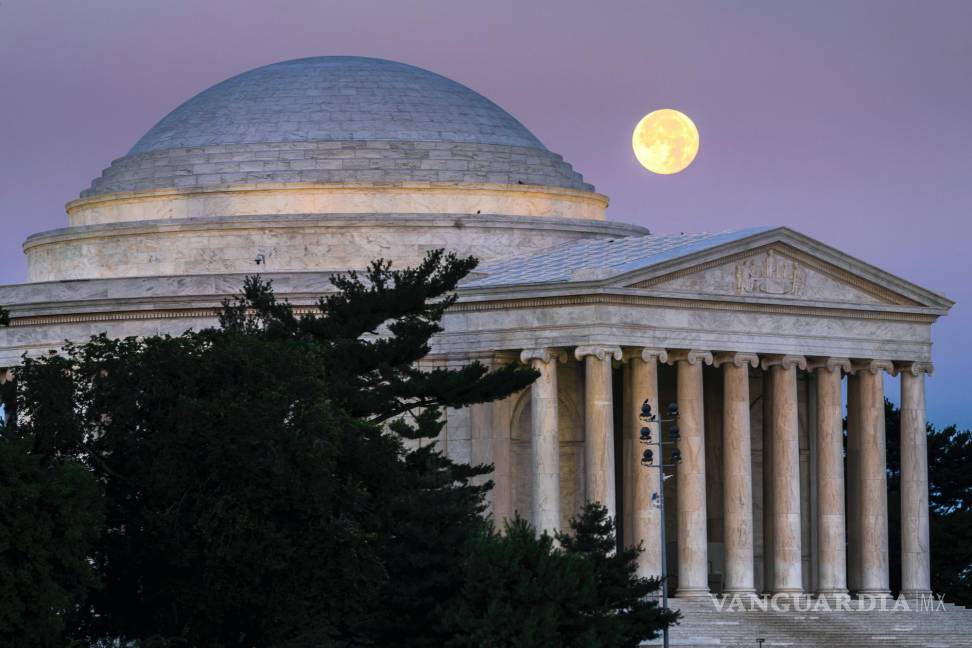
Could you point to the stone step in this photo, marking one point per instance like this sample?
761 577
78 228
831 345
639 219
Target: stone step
704 624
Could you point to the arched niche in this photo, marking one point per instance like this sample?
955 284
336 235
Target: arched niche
570 425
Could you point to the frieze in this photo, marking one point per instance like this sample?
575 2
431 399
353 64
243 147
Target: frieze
774 274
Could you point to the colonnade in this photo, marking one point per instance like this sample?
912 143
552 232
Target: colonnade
852 539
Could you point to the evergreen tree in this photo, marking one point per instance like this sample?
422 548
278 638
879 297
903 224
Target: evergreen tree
522 590
257 488
50 517
950 506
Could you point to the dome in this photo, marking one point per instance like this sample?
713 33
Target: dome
336 119
334 98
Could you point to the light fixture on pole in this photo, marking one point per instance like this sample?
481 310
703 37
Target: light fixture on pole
648 461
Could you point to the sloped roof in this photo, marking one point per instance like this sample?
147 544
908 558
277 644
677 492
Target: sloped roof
598 259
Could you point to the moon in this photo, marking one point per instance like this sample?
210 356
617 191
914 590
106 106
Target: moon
665 141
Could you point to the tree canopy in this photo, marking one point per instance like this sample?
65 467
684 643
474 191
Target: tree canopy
273 481
950 506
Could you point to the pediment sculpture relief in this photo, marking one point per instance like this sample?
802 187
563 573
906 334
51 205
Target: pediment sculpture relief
772 274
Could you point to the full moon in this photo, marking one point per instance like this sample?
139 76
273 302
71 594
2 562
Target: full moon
665 141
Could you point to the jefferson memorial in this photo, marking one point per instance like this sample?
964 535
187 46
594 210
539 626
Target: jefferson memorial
305 168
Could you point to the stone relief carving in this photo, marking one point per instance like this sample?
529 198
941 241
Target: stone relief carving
772 275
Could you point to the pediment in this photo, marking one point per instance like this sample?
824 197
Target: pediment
775 271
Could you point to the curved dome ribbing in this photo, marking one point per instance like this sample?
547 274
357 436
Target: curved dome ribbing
336 119
331 98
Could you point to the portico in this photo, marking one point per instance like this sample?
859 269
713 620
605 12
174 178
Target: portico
765 500
782 498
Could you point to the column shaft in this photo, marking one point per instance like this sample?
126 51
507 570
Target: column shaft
693 565
737 478
831 535
599 432
642 378
873 486
787 541
767 491
853 482
545 443
915 556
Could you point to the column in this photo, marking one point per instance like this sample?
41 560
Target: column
737 473
915 556
500 420
8 395
599 423
873 479
767 502
831 523
853 482
693 554
642 378
545 438
785 512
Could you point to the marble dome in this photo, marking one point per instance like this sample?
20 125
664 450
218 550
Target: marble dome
334 98
310 119
320 165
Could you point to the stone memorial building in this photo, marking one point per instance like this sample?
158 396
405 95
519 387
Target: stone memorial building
301 169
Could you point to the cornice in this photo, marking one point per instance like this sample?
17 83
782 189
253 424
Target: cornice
794 254
505 305
686 303
376 186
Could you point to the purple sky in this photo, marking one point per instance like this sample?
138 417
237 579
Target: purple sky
848 121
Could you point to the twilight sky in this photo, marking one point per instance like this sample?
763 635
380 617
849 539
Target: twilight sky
847 120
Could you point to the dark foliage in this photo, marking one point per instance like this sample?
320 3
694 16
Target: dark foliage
950 503
50 516
253 492
522 590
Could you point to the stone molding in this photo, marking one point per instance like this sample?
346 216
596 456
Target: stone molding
913 368
830 364
275 198
598 351
872 366
782 249
738 358
691 303
646 354
785 361
336 161
691 356
544 355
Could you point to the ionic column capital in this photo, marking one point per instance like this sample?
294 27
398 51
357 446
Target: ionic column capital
785 361
544 354
872 366
913 368
740 359
691 356
598 351
647 354
6 375
830 364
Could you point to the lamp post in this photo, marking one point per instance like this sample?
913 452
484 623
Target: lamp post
649 418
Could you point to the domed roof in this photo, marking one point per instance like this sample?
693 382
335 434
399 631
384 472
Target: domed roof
336 119
336 98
